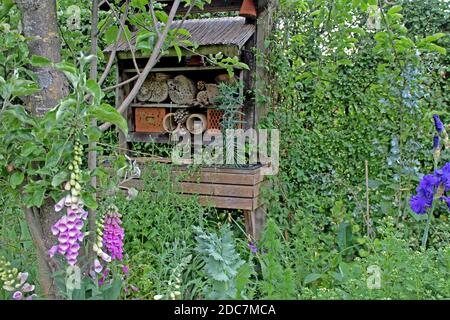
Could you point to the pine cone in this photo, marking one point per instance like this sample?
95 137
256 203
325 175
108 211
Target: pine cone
201 85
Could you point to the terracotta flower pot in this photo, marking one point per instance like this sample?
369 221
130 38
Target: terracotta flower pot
169 123
248 9
196 123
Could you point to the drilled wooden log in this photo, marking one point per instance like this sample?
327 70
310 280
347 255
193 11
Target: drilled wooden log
182 90
202 98
154 89
212 91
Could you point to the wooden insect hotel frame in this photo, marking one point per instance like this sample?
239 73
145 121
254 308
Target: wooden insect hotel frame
178 91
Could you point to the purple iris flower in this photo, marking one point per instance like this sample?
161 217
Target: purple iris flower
438 124
253 247
419 204
436 142
428 187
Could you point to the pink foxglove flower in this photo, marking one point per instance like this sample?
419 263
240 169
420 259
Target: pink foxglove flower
15 281
17 295
113 235
97 266
68 229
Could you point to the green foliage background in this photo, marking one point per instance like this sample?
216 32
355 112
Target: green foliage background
340 93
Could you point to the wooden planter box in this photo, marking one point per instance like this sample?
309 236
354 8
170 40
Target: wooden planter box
225 188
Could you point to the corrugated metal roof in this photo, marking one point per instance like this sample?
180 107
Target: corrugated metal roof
207 32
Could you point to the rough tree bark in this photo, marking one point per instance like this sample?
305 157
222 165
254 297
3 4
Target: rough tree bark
40 26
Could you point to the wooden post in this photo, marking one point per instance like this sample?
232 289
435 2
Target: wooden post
120 95
264 26
248 222
255 221
259 222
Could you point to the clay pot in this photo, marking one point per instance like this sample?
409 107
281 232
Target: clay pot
169 123
196 123
248 9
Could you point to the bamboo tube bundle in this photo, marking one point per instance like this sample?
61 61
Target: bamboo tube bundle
181 116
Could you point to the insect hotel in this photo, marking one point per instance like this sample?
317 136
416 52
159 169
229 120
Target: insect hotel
180 92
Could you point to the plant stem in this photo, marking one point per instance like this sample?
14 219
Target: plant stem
92 156
427 229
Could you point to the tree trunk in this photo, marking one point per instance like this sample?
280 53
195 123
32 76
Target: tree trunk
41 27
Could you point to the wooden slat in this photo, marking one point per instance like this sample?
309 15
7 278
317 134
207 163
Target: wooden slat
252 170
212 189
226 202
182 68
158 105
207 189
223 178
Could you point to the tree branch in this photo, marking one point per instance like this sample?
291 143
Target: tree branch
155 21
113 53
120 84
122 26
148 67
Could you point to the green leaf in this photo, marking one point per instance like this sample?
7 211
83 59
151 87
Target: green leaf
20 114
345 235
63 106
40 62
70 72
55 154
113 292
5 7
436 48
84 60
111 34
24 88
16 179
28 148
312 277
344 62
59 178
36 198
145 40
184 32
140 4
432 38
66 67
161 16
394 9
93 133
95 89
107 113
89 200
178 51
